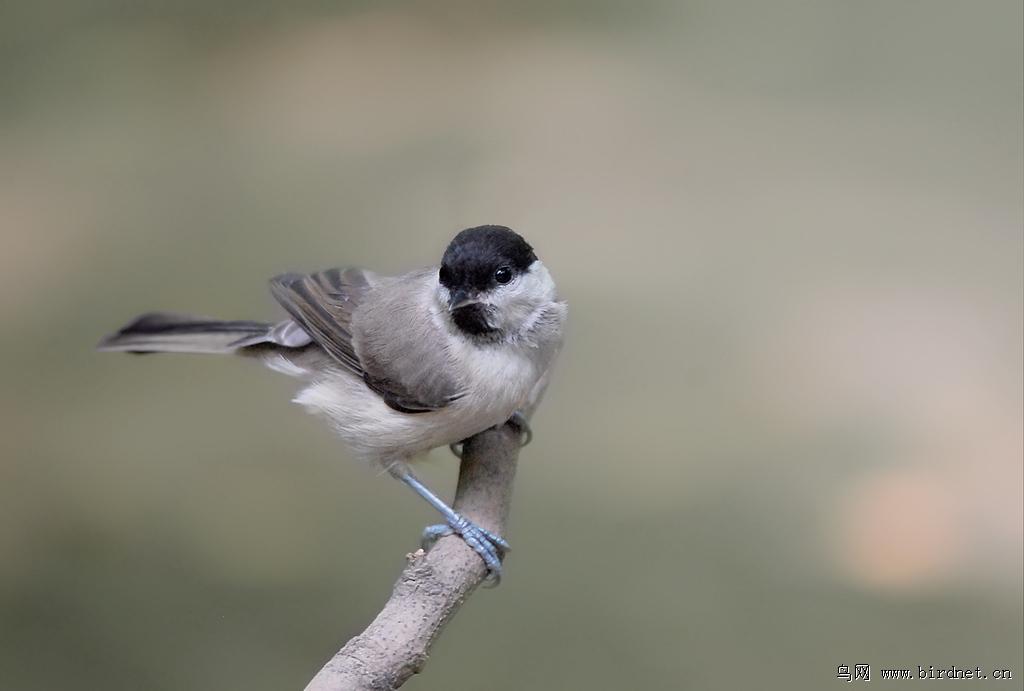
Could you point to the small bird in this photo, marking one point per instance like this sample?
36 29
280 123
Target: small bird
405 364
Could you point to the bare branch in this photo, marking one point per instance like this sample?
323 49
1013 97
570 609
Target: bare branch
433 586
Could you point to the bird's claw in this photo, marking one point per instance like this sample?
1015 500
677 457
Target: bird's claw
489 546
517 422
522 427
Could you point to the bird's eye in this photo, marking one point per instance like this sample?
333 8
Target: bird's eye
503 275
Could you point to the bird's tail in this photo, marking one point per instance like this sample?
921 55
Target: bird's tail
173 332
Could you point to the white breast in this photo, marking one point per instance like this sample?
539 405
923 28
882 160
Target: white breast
380 435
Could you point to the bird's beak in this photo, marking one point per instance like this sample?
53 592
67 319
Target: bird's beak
461 298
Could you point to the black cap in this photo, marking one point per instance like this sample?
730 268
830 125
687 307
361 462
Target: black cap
476 254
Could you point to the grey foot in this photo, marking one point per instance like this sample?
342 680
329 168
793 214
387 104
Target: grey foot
489 546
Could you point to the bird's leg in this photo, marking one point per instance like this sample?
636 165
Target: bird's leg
489 546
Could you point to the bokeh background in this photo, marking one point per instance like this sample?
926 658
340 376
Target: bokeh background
786 432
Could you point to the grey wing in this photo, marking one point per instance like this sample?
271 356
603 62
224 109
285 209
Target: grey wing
403 399
404 355
322 304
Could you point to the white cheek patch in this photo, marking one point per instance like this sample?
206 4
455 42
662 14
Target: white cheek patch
517 307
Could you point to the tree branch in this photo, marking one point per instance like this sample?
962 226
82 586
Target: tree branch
434 585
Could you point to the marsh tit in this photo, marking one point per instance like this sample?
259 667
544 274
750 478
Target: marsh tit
400 365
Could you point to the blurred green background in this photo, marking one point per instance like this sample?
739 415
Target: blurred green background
786 431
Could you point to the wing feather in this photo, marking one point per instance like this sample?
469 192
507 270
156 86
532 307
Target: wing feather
323 304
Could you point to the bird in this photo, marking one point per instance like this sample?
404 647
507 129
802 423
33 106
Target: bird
400 365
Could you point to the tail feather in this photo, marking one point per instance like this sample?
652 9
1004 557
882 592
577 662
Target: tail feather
174 332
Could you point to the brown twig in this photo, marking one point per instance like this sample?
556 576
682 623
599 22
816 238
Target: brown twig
434 585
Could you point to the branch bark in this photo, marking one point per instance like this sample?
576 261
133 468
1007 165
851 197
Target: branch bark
434 585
